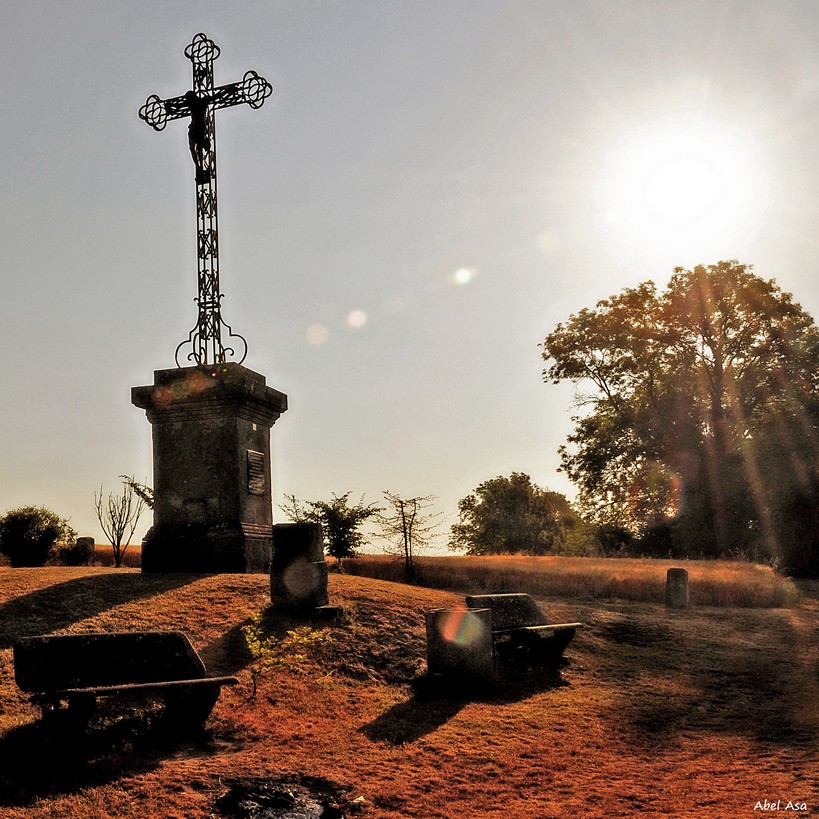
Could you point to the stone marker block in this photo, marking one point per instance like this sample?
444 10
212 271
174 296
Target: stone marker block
82 553
297 540
301 585
459 643
676 589
329 614
298 571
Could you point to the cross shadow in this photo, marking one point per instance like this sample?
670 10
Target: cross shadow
59 606
229 654
436 700
711 683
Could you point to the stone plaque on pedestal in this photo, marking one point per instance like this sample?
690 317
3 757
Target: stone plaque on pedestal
213 507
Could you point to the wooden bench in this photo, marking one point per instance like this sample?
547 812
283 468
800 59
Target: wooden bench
68 674
520 630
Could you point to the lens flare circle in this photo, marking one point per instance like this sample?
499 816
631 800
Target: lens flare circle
461 627
463 275
356 319
317 334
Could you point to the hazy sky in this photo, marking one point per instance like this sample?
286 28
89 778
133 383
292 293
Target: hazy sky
430 189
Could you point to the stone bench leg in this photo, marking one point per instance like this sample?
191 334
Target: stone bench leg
73 719
188 708
550 651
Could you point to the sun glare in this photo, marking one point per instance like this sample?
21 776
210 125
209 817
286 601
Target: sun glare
463 275
683 188
682 185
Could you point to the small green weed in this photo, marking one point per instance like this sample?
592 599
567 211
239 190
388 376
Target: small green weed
269 651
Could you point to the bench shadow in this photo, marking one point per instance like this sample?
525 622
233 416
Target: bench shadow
37 763
435 701
59 606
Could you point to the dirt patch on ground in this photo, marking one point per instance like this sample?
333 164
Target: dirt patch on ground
293 797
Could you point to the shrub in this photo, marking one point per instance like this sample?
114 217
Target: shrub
340 521
513 516
81 553
28 533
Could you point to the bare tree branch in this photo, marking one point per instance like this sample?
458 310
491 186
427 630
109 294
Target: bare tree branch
118 515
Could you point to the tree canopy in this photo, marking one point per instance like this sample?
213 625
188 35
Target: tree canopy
511 516
703 399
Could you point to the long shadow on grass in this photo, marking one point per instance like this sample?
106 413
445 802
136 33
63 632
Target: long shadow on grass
436 701
36 763
679 677
59 606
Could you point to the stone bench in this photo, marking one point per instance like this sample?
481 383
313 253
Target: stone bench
519 628
66 675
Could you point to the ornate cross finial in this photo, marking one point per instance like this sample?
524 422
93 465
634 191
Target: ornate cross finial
205 339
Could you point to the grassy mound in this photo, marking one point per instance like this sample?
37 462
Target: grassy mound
655 713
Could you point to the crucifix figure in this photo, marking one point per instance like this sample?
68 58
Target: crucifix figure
199 104
198 139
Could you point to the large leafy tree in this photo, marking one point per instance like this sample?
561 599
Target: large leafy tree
511 516
700 394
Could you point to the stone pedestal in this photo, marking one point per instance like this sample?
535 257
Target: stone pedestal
459 643
676 589
211 451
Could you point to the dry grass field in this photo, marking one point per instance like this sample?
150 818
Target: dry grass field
703 712
711 582
104 555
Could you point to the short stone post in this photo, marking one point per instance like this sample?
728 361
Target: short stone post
676 589
459 643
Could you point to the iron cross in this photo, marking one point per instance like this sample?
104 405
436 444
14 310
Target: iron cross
205 339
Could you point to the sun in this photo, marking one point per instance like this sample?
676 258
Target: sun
683 188
680 184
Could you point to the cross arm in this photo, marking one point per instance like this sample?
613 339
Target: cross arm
157 112
252 89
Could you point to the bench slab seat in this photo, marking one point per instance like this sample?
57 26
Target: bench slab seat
80 668
550 627
519 627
